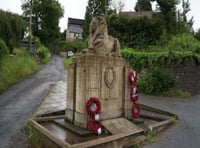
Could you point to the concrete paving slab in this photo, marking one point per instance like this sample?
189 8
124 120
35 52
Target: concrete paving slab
55 101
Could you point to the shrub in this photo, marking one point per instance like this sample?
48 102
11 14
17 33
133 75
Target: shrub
43 53
184 42
37 42
154 81
67 62
145 60
3 48
72 46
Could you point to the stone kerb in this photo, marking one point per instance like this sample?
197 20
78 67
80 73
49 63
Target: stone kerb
102 76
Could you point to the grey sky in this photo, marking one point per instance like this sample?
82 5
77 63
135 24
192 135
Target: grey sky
76 8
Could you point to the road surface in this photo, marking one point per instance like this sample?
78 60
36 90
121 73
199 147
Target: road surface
19 102
186 133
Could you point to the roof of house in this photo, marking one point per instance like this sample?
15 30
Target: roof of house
75 21
138 14
75 25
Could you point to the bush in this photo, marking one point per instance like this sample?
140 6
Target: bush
43 53
184 42
154 81
72 46
138 33
146 60
67 62
3 49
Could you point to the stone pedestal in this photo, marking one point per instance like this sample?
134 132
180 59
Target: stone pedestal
101 76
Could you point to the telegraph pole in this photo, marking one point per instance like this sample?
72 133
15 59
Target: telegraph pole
105 8
30 26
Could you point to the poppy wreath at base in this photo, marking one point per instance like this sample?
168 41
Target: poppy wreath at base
94 126
90 102
136 110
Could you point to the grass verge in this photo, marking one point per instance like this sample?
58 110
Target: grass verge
15 68
67 62
175 92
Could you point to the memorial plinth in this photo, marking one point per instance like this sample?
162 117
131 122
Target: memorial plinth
101 76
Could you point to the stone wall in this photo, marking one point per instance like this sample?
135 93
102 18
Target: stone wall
186 76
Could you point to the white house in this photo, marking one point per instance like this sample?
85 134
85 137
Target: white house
74 29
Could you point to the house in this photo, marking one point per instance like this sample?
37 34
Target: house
74 29
25 45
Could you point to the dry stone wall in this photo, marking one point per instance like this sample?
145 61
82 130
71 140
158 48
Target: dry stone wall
186 76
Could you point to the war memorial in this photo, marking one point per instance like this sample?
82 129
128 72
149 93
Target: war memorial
102 102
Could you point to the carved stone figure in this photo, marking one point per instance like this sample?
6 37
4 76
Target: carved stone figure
99 41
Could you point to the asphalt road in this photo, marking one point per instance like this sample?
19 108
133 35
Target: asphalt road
19 102
186 133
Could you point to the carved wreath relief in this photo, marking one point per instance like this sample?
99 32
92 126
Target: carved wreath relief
110 77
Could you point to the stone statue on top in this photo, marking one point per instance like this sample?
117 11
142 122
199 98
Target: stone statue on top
99 41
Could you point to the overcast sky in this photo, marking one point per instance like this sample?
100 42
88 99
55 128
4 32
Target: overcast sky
76 9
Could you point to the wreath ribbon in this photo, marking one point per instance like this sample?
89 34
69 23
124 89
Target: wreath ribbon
136 110
132 77
94 126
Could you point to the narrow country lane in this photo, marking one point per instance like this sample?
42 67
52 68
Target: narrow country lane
18 102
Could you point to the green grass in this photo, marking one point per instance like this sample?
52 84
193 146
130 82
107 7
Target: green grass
150 138
15 68
174 120
175 92
33 136
67 62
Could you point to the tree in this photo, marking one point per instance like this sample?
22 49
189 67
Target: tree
45 19
117 6
94 8
143 5
197 34
168 13
184 23
137 33
11 29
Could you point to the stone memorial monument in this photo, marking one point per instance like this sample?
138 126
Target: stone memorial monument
102 98
99 71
